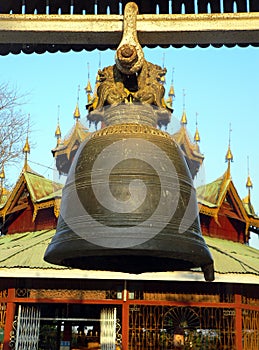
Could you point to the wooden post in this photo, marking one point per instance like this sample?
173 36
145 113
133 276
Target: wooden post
238 325
67 334
125 319
10 314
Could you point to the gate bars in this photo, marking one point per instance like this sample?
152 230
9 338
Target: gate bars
28 327
108 329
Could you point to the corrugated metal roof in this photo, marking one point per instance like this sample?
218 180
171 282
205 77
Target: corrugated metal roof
25 251
233 257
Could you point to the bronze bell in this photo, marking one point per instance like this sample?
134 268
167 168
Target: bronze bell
129 203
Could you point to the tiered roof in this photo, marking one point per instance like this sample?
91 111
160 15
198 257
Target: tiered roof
32 193
191 150
221 198
65 149
42 192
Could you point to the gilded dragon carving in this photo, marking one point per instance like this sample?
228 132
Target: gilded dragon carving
132 79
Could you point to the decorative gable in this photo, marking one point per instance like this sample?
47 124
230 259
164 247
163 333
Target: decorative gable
190 150
32 205
222 212
21 202
65 151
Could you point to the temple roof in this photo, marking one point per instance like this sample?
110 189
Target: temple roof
249 207
3 198
39 190
212 195
253 217
77 133
190 149
22 256
65 150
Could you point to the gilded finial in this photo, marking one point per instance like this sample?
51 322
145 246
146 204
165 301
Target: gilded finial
97 80
249 183
171 93
162 79
229 156
77 112
197 135
2 177
26 148
88 88
2 174
58 130
184 117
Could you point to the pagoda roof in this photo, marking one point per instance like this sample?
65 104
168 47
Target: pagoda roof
253 217
190 149
76 135
41 188
22 256
249 207
211 197
42 192
212 194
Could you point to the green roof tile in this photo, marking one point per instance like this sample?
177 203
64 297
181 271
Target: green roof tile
41 187
233 257
25 250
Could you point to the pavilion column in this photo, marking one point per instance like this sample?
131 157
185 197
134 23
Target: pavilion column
238 321
67 334
125 319
10 314
58 335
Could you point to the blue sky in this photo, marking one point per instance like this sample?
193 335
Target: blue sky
221 85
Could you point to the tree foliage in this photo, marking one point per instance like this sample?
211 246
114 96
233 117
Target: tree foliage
13 125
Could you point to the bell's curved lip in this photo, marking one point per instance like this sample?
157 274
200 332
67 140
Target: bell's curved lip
174 253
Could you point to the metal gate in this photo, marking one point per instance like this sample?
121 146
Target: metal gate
28 327
108 329
181 327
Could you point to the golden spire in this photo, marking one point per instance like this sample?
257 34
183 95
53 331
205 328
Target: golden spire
97 80
88 88
2 177
2 173
184 117
26 148
171 93
229 155
249 183
58 130
197 135
162 79
77 112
